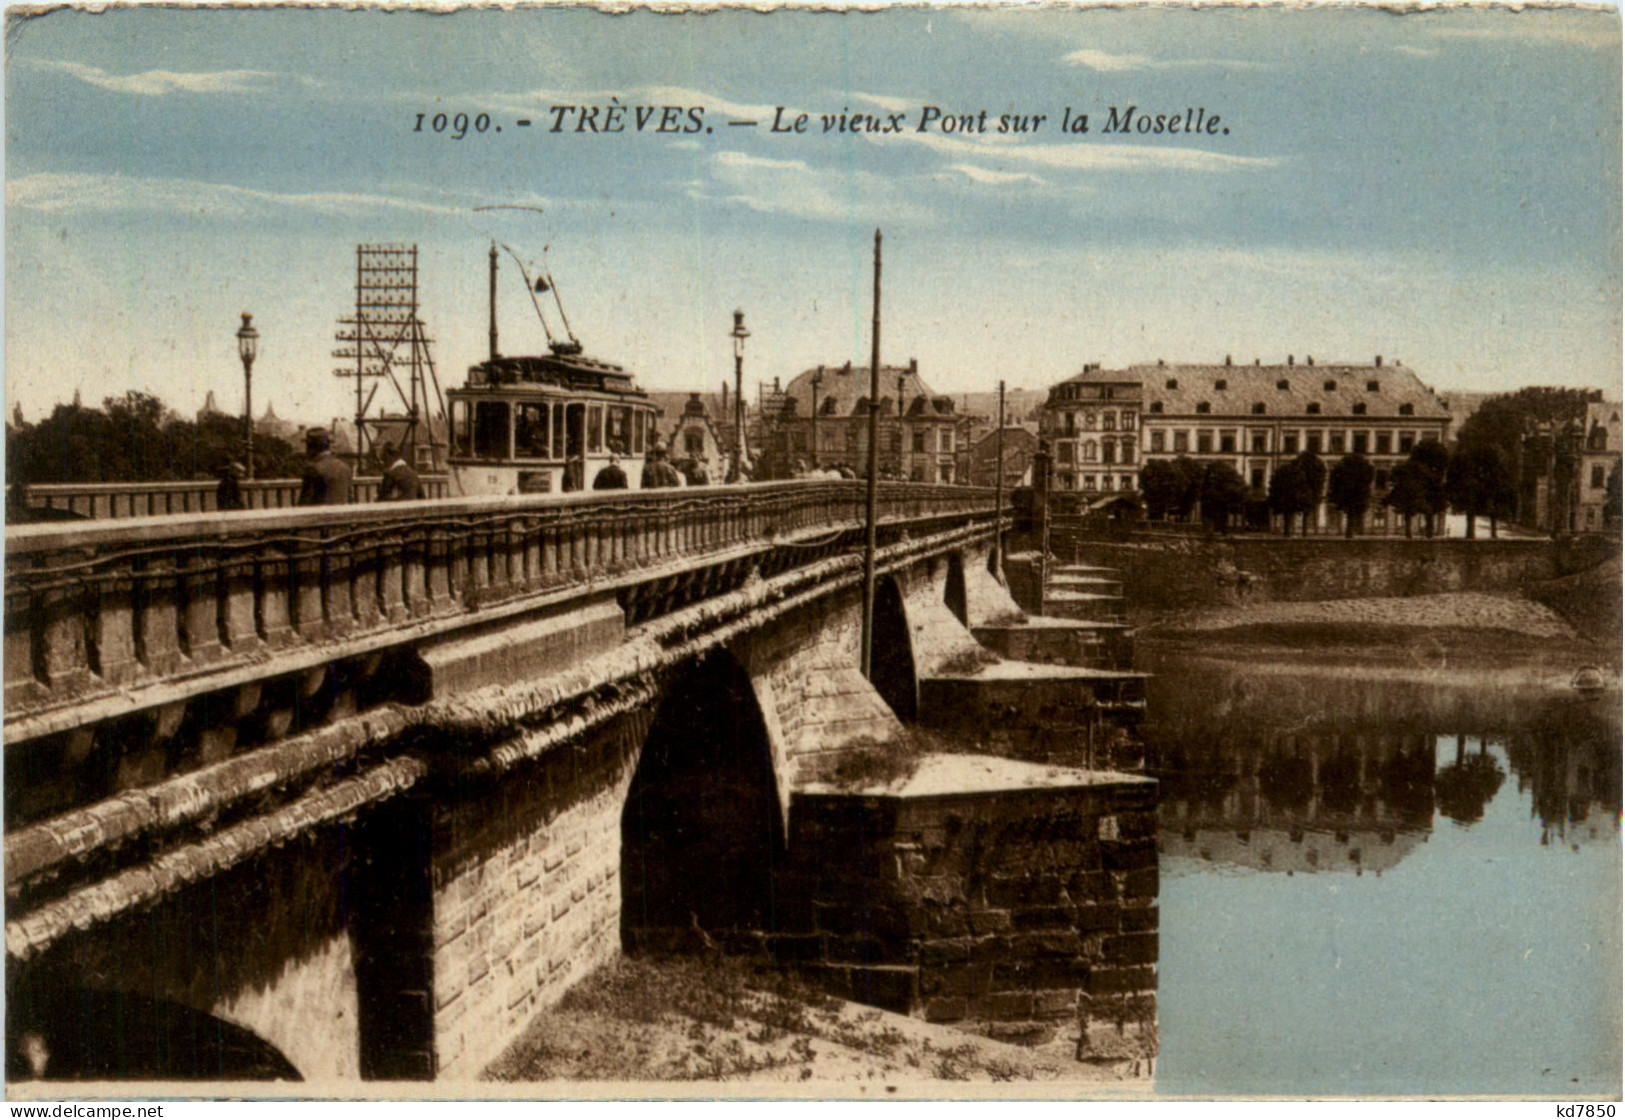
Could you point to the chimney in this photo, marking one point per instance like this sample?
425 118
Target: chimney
1379 361
847 368
776 388
914 366
1227 361
724 398
1291 361
1311 359
1161 363
1258 361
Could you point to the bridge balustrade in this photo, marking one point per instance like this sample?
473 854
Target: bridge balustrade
99 501
101 609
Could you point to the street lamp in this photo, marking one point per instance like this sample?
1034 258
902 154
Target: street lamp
739 334
248 348
817 380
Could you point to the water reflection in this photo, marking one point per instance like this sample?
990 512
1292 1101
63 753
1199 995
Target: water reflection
1279 769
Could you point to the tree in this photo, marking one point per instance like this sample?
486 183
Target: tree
1432 463
1350 489
1313 472
1164 486
1407 494
1504 422
1479 483
1223 493
1289 494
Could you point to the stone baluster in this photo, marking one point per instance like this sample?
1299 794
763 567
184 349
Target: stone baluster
392 569
271 587
158 596
439 570
198 575
306 610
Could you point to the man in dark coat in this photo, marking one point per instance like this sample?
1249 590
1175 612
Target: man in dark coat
400 481
657 472
326 480
229 494
610 477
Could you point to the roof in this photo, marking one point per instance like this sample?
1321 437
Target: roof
1179 389
848 384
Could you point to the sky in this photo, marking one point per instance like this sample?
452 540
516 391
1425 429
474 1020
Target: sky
1442 188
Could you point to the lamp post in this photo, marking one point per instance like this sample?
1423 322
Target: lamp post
739 334
817 380
248 348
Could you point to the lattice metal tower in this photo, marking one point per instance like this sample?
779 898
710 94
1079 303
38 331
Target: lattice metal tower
385 340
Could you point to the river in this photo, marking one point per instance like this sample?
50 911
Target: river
1374 884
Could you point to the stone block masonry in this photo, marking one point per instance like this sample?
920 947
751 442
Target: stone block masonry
1024 912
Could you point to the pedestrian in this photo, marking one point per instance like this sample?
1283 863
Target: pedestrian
696 472
400 482
611 476
326 481
658 474
229 494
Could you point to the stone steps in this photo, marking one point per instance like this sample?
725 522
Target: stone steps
1083 605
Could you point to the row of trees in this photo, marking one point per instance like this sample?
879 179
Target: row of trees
136 438
1476 481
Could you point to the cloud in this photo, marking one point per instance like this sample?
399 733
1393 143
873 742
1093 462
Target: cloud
1087 155
106 194
1575 29
159 83
1417 52
995 178
792 187
1108 63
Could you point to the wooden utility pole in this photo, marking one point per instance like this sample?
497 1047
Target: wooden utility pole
998 495
867 648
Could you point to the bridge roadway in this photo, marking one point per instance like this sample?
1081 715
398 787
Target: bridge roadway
364 784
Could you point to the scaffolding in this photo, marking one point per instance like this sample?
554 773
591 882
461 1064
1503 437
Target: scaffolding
384 340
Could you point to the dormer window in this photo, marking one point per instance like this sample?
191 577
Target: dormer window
1312 408
1359 409
1221 384
1407 410
1329 386
1156 407
1258 408
1173 383
1283 384
1371 386
1203 408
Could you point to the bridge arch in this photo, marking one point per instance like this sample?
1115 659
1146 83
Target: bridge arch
953 592
892 670
702 835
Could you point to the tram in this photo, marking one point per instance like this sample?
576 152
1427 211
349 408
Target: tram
545 423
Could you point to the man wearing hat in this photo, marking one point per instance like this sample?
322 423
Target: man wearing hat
400 481
326 480
612 476
229 494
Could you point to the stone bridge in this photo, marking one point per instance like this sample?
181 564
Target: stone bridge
355 792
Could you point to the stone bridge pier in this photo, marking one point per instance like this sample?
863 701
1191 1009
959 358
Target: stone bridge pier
650 738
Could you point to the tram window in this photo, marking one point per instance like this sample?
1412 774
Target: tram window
595 429
558 432
491 430
637 432
530 432
459 428
620 424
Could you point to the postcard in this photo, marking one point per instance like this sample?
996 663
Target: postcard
938 552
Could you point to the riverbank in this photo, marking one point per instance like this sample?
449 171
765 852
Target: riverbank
699 1020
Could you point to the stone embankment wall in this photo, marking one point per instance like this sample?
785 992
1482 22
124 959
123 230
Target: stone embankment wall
1183 573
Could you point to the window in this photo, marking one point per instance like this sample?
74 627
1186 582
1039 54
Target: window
559 443
1125 482
1106 393
1065 451
1329 386
1407 410
530 430
1335 446
1255 478
693 441
1128 450
491 430
1089 451
1156 407
1088 482
1089 421
1108 421
1227 442
1258 408
1289 443
1182 442
460 431
894 440
1598 481
1108 451
1312 408
1407 440
919 440
945 440
1261 441
1385 443
1312 442
1221 384
916 473
1203 408
1204 443
1284 385
1128 421
852 441
945 472
639 424
1371 386
1105 482
595 428
620 425
1359 409
1156 441
1361 443
1173 383
1069 422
